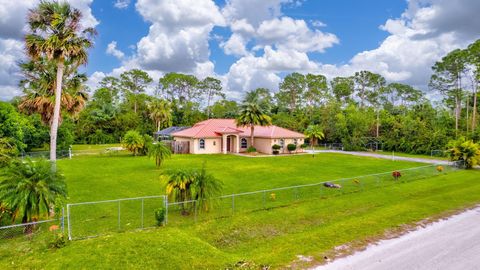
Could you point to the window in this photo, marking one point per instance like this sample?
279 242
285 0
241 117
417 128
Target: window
202 143
244 143
214 143
295 141
282 143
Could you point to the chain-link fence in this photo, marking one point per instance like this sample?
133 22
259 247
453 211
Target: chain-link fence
187 212
46 154
32 230
90 219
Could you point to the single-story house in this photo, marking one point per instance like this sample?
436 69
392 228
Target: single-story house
166 134
215 136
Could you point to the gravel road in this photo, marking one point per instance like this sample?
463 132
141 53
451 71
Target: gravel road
453 243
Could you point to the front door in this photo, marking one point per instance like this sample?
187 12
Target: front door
228 144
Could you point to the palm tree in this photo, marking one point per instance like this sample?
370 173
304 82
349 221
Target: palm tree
160 151
179 187
161 113
205 187
30 189
252 115
39 90
56 33
314 133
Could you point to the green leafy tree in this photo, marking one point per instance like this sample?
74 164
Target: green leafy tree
160 151
8 151
133 83
473 58
447 78
260 96
291 91
56 34
211 88
251 115
224 109
31 189
342 88
466 151
12 125
179 87
133 142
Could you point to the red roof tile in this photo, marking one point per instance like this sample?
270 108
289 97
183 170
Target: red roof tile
216 127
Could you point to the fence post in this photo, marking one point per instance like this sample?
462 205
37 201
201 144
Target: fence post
119 226
68 222
195 211
70 152
142 213
233 204
165 199
264 199
63 220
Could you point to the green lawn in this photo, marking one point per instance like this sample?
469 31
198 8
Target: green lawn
388 153
272 237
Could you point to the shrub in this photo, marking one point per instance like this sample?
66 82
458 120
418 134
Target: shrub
291 147
133 141
160 215
59 241
251 149
303 146
396 175
464 150
276 147
439 168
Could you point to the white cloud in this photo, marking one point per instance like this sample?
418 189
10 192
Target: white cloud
112 50
318 24
121 4
179 34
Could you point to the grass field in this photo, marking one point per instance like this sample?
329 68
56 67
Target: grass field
272 237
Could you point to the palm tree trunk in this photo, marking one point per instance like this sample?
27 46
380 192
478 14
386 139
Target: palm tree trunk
474 114
252 128
56 114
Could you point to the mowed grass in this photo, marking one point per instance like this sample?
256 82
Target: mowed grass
272 237
104 177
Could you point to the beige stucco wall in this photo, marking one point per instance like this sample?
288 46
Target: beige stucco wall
212 146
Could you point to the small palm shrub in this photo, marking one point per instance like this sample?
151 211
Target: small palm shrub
291 147
160 151
464 150
160 215
251 149
133 141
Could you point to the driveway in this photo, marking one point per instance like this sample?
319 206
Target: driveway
448 244
367 154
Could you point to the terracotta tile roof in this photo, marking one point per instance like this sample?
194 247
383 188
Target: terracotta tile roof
216 127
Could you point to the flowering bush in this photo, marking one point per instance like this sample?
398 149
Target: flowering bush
439 168
396 175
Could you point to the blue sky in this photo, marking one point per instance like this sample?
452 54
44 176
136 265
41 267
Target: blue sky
356 23
254 43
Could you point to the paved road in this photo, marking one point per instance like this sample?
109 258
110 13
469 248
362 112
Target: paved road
367 154
449 244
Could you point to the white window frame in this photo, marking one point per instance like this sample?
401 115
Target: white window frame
282 143
200 142
241 143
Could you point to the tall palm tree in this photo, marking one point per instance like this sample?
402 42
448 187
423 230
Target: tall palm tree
39 90
56 33
314 133
252 115
30 189
160 111
160 151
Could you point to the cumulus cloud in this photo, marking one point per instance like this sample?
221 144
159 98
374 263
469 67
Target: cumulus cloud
112 50
179 34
